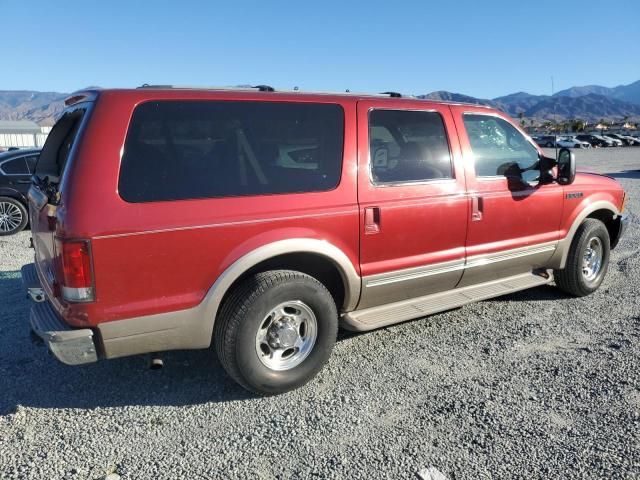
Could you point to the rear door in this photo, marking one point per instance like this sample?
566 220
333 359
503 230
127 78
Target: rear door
514 223
413 209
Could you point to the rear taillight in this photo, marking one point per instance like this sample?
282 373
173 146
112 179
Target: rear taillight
76 275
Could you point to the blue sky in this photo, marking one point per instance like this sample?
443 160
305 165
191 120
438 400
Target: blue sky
480 48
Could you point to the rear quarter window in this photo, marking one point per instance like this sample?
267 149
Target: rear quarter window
17 166
178 150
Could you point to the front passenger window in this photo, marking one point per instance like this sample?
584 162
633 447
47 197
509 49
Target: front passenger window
499 149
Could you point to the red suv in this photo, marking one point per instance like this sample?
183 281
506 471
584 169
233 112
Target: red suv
167 218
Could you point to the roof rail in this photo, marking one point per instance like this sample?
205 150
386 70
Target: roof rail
392 94
147 85
264 88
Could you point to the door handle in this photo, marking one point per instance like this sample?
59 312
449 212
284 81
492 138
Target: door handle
476 208
372 220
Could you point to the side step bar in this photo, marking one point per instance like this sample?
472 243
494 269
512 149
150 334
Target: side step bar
384 315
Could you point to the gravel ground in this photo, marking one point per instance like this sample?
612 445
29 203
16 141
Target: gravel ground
530 385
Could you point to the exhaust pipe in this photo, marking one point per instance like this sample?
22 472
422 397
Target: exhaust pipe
155 362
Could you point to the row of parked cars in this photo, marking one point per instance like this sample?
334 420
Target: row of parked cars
588 140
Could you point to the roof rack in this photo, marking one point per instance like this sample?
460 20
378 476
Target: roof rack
147 85
261 88
392 94
264 88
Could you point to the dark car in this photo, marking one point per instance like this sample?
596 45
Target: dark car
594 140
16 168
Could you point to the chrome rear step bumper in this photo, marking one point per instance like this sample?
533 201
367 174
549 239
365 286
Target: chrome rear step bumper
31 283
72 346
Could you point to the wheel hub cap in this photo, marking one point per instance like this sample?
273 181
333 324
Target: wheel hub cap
286 335
10 217
592 259
282 334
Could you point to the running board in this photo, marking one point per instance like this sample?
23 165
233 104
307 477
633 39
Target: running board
389 314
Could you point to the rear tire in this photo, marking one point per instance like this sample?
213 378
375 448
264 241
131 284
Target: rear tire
275 331
588 260
13 216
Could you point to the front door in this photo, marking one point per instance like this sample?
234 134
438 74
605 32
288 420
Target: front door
413 208
514 222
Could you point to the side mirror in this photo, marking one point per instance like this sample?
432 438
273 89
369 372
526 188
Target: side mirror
566 166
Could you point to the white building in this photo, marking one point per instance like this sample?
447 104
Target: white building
22 134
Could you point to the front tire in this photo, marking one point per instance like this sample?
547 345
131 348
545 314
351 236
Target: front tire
275 331
13 216
588 260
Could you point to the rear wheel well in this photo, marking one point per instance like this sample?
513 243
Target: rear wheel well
317 266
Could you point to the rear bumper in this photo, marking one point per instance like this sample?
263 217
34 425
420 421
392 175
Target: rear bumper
72 346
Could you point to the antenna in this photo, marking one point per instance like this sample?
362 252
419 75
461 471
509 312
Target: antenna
555 118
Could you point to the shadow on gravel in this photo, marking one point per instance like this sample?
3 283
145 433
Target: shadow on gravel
625 174
30 376
545 292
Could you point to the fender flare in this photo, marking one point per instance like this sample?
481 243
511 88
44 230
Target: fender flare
349 275
13 193
559 258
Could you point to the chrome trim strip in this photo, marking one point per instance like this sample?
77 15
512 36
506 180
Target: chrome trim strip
481 260
449 266
422 272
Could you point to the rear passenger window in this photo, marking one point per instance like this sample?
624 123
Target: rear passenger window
194 149
17 166
499 149
408 146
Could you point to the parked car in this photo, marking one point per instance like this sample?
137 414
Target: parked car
625 141
631 141
548 141
609 141
262 221
16 168
616 141
572 142
593 140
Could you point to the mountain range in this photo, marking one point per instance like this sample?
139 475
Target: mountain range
590 103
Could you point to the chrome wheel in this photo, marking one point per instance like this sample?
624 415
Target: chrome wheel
592 259
286 335
10 217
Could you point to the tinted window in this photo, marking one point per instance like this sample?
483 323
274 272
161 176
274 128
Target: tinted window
55 153
408 146
179 150
17 166
499 149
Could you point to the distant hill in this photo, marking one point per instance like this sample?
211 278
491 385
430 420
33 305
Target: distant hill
626 93
39 107
591 103
455 97
518 103
591 107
